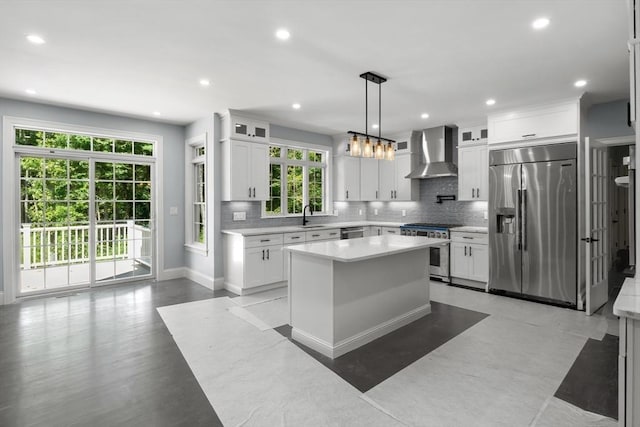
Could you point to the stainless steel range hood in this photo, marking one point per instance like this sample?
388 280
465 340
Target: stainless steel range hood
436 154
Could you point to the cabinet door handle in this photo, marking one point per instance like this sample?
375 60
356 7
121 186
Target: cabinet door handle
265 240
478 193
469 250
529 135
465 251
263 254
473 193
332 234
467 237
249 191
315 235
347 194
268 252
395 194
254 191
391 196
295 237
376 194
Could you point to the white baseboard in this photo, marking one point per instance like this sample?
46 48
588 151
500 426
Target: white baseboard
239 290
201 279
218 283
362 338
171 273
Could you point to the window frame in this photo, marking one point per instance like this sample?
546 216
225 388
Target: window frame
192 161
326 166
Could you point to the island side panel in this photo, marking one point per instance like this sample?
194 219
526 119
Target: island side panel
376 296
311 299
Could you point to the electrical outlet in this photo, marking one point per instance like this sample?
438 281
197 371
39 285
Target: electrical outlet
375 211
360 212
239 216
404 212
486 215
173 210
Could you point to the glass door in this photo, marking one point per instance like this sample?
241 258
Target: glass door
83 222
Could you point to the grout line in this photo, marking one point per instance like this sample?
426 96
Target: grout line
377 406
535 420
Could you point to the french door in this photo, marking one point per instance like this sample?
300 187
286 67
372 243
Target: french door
84 221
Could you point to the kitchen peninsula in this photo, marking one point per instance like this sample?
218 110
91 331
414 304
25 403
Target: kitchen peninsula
346 293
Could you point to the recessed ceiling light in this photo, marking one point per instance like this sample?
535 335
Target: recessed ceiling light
30 91
296 106
490 101
35 39
580 83
375 126
205 82
540 23
424 116
283 34
156 113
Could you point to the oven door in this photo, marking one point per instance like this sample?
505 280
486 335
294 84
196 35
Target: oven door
438 259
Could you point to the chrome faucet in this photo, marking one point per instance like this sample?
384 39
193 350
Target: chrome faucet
304 214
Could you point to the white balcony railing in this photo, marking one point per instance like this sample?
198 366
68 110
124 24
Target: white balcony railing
70 244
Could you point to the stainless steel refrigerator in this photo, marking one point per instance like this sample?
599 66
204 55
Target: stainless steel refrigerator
533 223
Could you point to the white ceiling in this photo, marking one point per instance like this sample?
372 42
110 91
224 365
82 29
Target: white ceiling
442 57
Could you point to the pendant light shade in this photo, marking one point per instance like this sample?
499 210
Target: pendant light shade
380 151
355 148
363 147
390 152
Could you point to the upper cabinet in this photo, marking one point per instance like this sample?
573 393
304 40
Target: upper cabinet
245 171
473 173
369 171
472 135
392 182
346 178
241 128
551 121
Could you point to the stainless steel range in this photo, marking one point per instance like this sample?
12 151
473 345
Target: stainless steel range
439 255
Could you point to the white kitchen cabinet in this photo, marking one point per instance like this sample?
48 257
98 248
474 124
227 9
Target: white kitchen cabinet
469 263
244 129
245 171
550 121
473 173
323 234
253 263
472 135
375 231
392 182
369 179
346 178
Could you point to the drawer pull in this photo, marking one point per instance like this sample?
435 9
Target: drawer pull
315 235
529 135
332 234
265 240
295 237
467 237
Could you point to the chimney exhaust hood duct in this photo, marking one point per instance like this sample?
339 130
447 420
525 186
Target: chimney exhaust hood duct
436 154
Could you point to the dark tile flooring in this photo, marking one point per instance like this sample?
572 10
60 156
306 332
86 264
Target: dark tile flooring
592 381
99 358
369 365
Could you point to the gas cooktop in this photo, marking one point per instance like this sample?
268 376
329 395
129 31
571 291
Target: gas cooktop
426 225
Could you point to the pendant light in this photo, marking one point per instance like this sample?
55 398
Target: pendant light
361 144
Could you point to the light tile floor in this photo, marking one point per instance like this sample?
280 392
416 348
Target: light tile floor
503 371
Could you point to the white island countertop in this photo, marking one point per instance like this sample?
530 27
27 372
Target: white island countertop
351 250
628 301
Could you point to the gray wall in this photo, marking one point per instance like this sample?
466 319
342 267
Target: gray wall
608 120
173 179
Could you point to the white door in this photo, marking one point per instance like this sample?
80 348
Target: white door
387 177
479 262
240 183
259 171
402 169
459 260
595 236
368 179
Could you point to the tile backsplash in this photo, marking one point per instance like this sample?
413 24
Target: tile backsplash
424 210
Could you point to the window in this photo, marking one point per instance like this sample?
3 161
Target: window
196 199
297 177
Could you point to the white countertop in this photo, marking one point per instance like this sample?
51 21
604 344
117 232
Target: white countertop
299 228
351 250
628 301
471 229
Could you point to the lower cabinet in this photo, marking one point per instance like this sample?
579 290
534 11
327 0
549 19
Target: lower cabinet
469 259
252 262
390 230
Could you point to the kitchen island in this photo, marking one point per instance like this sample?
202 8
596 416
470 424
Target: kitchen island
346 293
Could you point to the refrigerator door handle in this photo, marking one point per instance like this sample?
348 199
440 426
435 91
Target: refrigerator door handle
524 220
519 214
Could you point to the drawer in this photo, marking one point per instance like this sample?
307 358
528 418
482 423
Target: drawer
390 230
262 240
323 235
290 238
479 238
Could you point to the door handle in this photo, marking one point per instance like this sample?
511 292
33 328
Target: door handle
254 191
395 194
376 194
519 219
263 254
589 240
267 253
469 250
347 194
473 193
524 219
249 191
478 193
465 251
